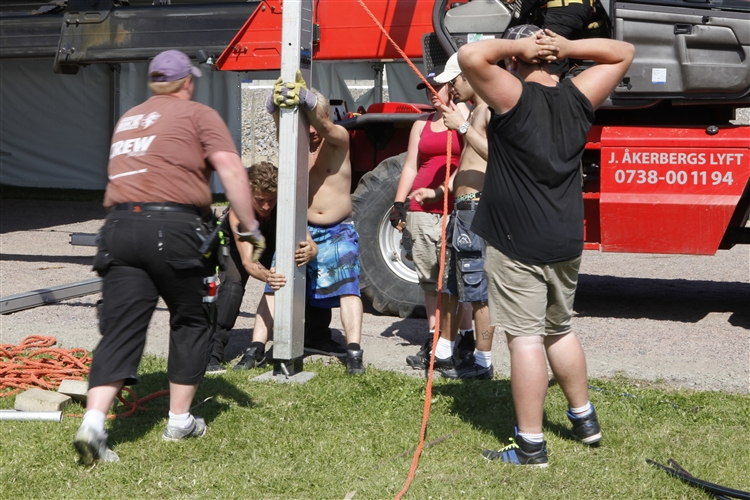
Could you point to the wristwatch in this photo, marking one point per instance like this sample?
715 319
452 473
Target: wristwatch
464 128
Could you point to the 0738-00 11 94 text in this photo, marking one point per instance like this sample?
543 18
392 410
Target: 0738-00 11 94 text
694 177
699 167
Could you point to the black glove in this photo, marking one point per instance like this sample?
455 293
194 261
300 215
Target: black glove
398 213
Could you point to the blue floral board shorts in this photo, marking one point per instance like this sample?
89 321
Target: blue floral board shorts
335 271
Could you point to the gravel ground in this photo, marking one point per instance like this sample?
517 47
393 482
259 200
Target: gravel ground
677 321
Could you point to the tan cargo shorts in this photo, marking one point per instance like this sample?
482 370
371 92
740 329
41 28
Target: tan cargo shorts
527 299
425 230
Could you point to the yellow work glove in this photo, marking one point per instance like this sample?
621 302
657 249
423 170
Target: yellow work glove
270 104
288 94
255 238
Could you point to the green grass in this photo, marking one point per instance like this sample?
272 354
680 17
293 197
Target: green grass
338 434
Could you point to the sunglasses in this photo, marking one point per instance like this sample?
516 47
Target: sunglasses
452 83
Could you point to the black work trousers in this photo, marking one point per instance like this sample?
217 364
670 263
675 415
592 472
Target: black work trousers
143 256
232 289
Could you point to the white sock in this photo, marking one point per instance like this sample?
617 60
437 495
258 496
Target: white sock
532 438
483 358
444 348
94 419
181 421
583 411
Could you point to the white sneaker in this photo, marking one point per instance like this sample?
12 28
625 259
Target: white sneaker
198 429
91 445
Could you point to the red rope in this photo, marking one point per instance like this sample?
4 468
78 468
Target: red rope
436 335
35 363
135 405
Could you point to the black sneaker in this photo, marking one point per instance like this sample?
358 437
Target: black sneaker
215 367
354 363
327 347
468 368
586 429
418 360
423 362
520 452
466 345
253 358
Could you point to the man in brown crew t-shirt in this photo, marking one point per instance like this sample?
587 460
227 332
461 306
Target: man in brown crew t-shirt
158 197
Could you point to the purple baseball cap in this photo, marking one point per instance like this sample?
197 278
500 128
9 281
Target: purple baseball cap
171 65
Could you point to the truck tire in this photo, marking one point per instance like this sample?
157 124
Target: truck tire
387 278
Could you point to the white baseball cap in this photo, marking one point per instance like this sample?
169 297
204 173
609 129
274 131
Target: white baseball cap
451 70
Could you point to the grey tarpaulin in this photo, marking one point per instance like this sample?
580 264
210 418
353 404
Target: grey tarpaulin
55 129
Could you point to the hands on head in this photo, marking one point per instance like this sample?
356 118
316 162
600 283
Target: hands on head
544 47
549 45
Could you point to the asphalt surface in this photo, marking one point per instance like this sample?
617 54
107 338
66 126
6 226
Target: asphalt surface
671 320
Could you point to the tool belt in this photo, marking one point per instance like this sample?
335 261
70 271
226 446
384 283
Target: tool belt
561 3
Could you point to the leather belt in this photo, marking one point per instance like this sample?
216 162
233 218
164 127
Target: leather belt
137 207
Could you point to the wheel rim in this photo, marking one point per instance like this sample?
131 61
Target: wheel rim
393 253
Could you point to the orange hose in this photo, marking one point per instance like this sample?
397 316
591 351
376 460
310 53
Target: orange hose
436 335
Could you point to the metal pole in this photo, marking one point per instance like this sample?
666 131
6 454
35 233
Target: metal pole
378 68
291 217
27 300
31 416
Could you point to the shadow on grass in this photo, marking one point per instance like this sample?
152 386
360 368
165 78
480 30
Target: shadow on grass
488 406
154 413
485 404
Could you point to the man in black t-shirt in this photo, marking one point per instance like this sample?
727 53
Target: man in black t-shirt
531 214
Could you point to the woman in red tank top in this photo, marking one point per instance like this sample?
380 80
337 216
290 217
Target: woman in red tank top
425 167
